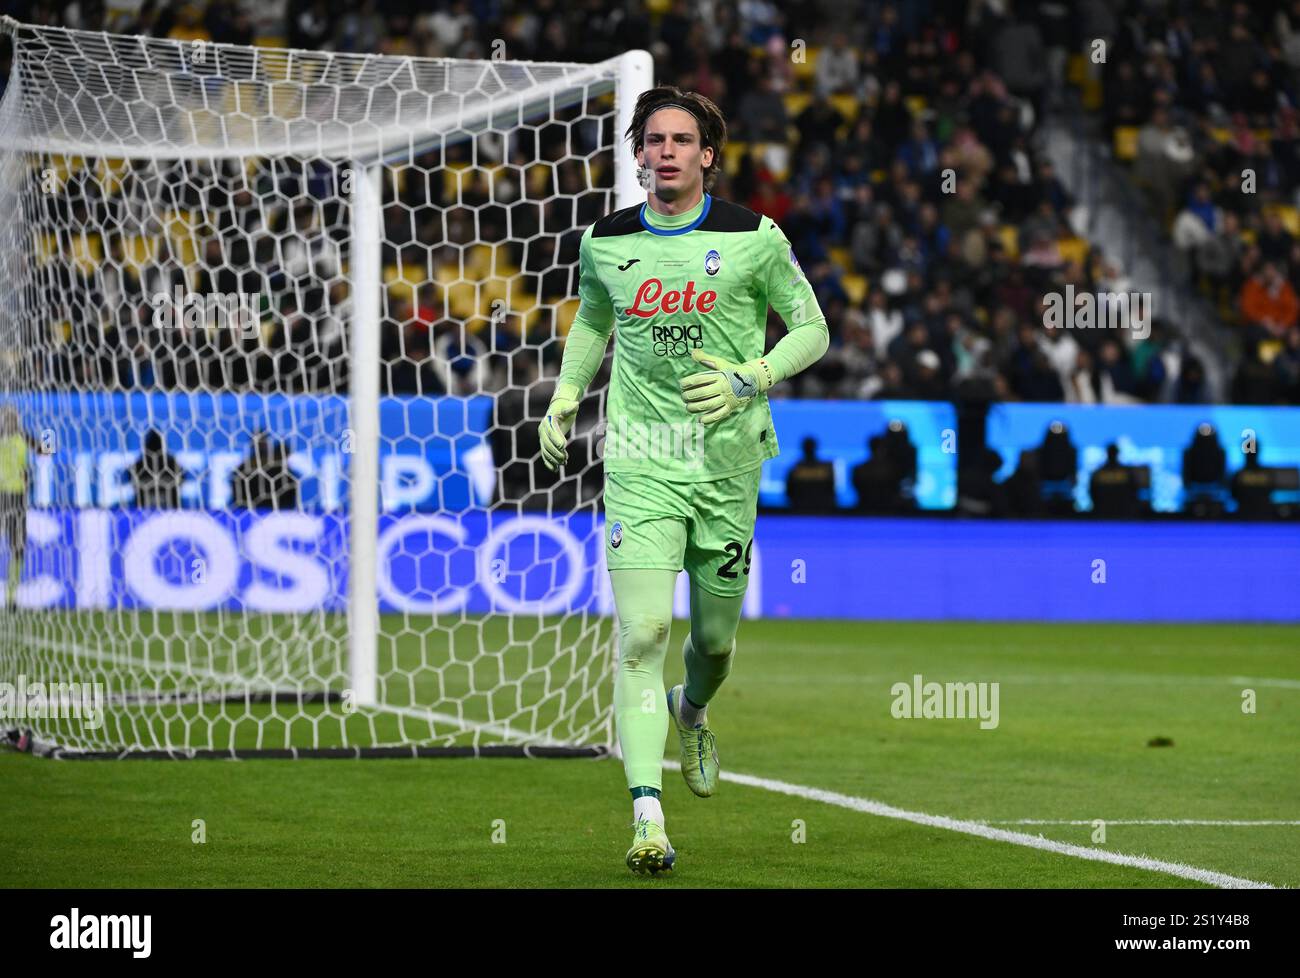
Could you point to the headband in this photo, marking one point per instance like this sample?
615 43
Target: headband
675 105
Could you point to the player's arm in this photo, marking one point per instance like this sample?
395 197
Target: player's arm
584 349
726 386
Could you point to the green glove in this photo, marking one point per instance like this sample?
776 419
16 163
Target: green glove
553 432
725 386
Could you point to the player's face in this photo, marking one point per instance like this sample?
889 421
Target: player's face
674 155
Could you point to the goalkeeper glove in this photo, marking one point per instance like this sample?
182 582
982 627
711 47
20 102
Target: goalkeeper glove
554 430
725 386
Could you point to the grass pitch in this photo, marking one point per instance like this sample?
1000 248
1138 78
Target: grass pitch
807 703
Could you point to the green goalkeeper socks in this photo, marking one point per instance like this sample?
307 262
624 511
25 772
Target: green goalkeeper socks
709 648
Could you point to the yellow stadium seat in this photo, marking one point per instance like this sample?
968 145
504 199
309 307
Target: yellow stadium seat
196 33
795 103
47 246
400 291
478 262
537 179
1290 219
447 274
732 155
529 321
916 104
847 106
1093 94
1076 70
856 287
565 313
398 174
139 251
451 176
522 294
180 227
806 67
110 174
1074 249
87 252
462 300
1126 142
284 99
503 265
1010 240
1221 134
415 272
273 66
843 258
493 296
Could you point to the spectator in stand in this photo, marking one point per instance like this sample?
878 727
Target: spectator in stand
810 485
1269 302
156 476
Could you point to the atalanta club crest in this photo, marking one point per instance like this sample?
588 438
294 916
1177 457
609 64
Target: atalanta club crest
712 262
616 535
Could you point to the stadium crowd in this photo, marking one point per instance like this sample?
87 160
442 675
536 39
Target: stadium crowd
896 150
1200 98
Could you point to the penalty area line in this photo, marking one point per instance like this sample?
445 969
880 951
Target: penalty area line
983 831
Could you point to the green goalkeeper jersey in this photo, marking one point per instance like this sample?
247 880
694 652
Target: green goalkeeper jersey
666 286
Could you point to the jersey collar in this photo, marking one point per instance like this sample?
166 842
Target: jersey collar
691 224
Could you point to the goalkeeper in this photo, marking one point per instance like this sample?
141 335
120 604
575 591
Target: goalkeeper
685 279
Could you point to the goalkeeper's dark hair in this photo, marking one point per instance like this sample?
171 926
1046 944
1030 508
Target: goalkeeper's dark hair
708 117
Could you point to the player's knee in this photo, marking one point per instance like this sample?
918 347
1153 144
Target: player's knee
713 645
643 637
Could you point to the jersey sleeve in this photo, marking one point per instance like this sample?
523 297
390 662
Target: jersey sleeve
584 347
595 308
788 292
788 289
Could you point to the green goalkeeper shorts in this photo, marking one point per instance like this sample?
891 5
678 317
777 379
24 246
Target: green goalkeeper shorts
706 528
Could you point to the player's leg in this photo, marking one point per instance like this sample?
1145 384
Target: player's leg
645 537
13 524
718 557
708 650
643 599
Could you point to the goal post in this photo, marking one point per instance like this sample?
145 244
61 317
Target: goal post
275 331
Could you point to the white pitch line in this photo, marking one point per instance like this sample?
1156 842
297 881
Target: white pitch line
869 807
1138 821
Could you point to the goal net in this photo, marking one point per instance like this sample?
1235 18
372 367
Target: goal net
276 328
